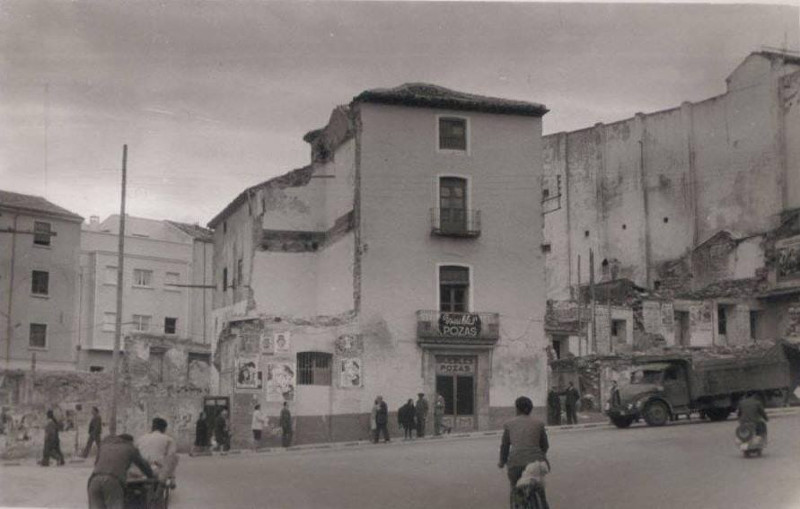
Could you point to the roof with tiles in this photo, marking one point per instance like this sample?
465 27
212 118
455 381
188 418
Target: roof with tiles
194 230
34 204
425 95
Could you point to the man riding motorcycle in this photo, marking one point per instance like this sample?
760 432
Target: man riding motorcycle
751 411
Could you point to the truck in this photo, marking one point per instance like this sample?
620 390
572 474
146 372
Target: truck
664 387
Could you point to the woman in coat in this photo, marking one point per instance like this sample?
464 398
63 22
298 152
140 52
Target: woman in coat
201 432
405 418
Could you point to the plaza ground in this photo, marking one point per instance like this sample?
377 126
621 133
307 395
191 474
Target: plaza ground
686 465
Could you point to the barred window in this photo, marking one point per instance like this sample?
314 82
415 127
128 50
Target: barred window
452 133
40 282
41 233
314 368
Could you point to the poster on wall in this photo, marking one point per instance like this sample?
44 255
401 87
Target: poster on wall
793 325
788 258
668 316
700 317
651 316
267 345
350 375
280 381
281 342
247 372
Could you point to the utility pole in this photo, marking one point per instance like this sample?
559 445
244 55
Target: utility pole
580 311
9 323
591 293
112 425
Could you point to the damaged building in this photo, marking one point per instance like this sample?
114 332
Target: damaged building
376 269
696 206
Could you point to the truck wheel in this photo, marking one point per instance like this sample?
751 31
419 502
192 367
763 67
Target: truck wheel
717 414
656 414
622 422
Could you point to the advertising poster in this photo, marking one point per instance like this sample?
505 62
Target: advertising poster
350 375
281 380
651 316
247 372
668 316
788 262
281 342
267 345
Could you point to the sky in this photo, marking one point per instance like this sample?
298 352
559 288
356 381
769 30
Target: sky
212 97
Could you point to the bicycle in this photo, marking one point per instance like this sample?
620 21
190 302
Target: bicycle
146 494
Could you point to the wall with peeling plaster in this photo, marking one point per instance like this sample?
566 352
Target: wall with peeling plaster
791 111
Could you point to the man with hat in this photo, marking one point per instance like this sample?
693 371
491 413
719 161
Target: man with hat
422 414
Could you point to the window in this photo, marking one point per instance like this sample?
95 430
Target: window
95 369
40 282
453 289
172 278
170 325
314 368
753 324
41 233
452 204
546 248
239 271
141 323
225 279
111 275
722 321
545 194
142 277
109 322
38 335
452 133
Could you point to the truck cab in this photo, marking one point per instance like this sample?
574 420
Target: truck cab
655 391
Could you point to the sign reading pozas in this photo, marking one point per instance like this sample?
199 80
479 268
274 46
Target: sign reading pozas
459 325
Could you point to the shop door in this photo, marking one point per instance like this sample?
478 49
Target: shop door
455 381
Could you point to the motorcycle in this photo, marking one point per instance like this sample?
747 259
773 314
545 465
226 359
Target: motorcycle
750 442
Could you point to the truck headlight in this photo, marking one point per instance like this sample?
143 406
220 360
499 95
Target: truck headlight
630 406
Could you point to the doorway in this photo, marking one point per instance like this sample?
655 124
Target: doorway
682 328
455 381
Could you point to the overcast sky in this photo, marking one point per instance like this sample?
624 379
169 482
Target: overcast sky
212 97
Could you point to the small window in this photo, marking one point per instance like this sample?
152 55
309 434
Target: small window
239 271
171 279
40 282
109 322
111 275
141 323
96 369
586 234
545 194
453 289
170 325
225 279
41 233
38 335
546 248
753 324
314 368
142 277
452 133
722 321
666 220
656 285
624 226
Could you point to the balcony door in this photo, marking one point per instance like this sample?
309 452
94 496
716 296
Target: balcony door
453 289
452 204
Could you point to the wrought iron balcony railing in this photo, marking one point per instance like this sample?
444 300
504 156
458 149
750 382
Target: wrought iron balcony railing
458 327
451 222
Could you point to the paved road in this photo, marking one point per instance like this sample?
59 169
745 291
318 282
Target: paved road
696 466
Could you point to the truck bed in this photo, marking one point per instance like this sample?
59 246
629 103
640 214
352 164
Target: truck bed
758 371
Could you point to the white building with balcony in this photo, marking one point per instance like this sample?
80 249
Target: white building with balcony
404 259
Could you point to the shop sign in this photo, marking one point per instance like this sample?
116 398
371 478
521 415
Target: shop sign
456 365
459 325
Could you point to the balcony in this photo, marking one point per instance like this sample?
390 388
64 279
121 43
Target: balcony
460 328
455 222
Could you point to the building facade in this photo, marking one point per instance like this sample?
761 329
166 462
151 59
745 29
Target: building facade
681 203
39 245
167 285
404 259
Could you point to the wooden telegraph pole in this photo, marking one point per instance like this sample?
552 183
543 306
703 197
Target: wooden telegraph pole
112 424
591 292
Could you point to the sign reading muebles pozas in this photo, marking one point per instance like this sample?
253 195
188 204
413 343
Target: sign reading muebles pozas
459 325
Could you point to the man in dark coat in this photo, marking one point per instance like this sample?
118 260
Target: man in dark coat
52 444
286 425
107 484
222 431
95 431
553 408
751 411
201 432
405 418
421 414
571 398
381 420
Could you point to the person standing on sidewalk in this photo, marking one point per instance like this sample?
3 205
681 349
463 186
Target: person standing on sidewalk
201 433
286 425
405 418
422 414
571 398
52 444
438 414
106 487
257 425
553 408
95 432
381 420
222 431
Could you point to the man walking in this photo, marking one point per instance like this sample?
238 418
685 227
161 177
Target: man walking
553 408
438 415
95 431
286 425
405 418
422 414
257 425
222 431
571 398
106 485
381 420
52 443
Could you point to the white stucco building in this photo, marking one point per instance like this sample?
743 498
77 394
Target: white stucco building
404 259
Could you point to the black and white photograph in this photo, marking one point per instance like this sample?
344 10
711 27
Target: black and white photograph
388 254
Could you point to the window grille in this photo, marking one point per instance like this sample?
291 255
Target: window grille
40 282
41 233
314 368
